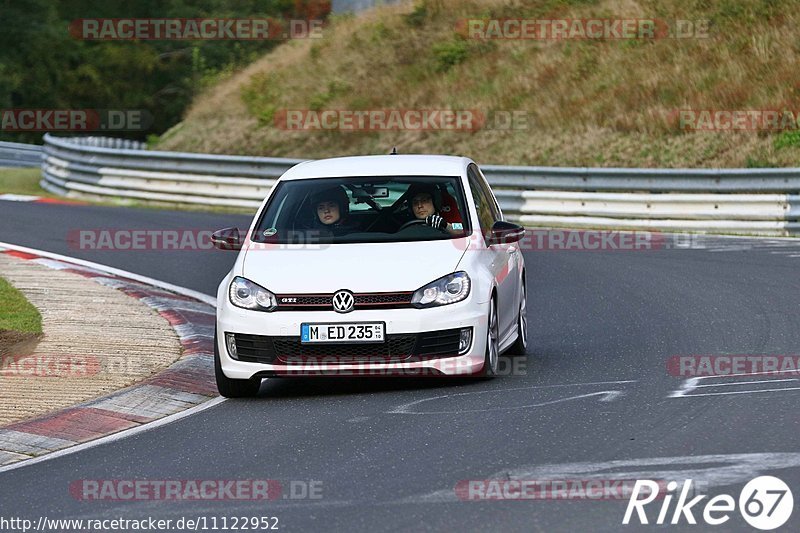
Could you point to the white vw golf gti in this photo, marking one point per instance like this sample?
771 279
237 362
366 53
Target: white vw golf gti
372 265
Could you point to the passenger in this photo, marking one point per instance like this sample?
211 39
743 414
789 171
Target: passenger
332 211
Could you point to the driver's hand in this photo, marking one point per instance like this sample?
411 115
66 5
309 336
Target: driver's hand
435 221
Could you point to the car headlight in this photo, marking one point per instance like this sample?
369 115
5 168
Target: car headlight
247 295
447 290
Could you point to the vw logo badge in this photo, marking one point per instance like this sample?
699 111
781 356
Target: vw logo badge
343 301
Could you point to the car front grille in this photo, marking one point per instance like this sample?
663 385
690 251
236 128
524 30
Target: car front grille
397 348
324 302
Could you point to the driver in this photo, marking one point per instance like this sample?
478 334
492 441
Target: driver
425 203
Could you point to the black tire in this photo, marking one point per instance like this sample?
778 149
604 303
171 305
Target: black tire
233 388
491 361
520 346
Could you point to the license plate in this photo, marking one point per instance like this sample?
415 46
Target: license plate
354 332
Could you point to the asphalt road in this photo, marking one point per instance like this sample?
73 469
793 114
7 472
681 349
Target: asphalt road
593 399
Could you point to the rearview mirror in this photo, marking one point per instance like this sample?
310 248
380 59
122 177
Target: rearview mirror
226 239
369 192
504 232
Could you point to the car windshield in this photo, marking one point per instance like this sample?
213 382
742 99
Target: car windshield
364 209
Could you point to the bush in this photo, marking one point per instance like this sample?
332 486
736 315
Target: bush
449 54
787 139
416 19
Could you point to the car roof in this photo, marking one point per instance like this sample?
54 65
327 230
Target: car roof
379 165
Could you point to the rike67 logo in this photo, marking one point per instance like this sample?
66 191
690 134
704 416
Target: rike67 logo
765 503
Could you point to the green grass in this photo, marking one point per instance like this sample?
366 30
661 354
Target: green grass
16 313
21 181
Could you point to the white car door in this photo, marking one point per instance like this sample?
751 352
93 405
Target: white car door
501 258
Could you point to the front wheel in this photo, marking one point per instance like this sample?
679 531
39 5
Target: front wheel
233 388
520 345
492 357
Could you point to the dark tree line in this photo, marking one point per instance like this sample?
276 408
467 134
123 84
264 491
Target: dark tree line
42 66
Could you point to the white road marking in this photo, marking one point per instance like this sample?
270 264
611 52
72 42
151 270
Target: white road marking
730 249
744 383
691 384
709 471
607 396
754 391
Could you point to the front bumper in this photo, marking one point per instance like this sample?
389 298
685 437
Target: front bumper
466 314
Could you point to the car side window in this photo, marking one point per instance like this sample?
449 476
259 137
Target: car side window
484 204
496 212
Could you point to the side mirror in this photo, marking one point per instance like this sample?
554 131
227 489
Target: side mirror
226 239
505 232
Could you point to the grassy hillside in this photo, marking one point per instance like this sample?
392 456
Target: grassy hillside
587 102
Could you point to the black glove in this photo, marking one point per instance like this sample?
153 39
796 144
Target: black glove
435 221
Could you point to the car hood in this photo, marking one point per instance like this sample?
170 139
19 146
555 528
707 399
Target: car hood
359 267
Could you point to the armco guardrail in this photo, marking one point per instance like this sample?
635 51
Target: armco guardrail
20 155
719 180
75 169
752 201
